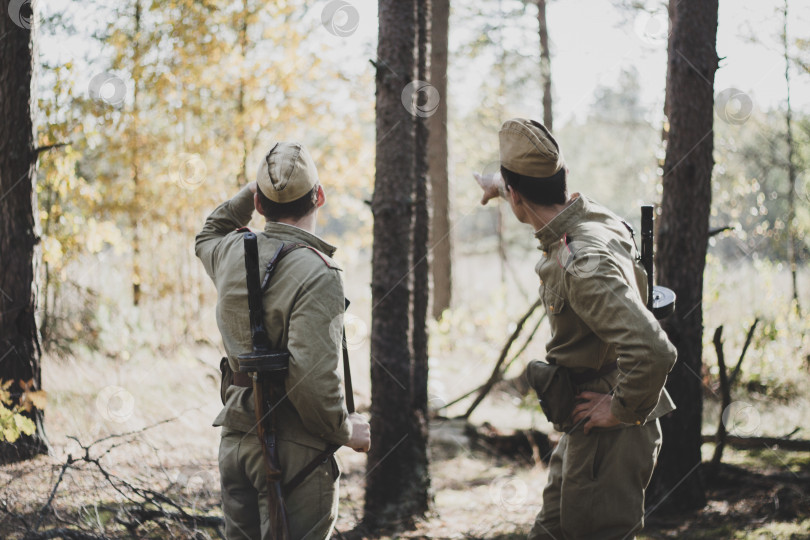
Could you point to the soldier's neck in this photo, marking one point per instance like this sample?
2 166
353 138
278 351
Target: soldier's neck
306 223
539 216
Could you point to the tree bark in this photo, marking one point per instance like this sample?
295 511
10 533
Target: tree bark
678 482
395 489
545 64
671 20
437 161
421 275
19 338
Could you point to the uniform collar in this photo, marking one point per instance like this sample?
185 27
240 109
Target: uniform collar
291 232
562 222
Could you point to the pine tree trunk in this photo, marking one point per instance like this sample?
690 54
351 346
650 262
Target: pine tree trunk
683 239
19 339
421 279
545 64
393 493
440 241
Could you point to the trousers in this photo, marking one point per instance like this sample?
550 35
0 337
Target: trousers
596 484
311 507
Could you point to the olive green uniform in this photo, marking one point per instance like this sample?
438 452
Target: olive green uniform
594 292
303 309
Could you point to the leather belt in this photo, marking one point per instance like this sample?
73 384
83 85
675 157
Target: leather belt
242 379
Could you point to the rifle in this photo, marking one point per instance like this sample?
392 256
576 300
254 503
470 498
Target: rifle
268 368
660 300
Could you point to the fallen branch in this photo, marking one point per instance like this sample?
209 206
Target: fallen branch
530 446
505 367
734 374
725 391
760 443
65 534
144 514
497 373
141 505
726 384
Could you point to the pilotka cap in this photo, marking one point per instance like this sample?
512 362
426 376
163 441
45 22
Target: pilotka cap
287 172
528 148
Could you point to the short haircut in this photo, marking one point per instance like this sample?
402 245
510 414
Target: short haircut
296 209
546 191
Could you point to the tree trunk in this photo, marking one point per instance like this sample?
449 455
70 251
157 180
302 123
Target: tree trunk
19 339
683 239
437 160
136 211
396 466
421 278
671 21
241 177
791 165
545 64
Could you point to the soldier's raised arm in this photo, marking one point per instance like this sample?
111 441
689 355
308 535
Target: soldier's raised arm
227 217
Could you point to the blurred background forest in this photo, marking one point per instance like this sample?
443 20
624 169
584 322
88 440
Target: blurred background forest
153 113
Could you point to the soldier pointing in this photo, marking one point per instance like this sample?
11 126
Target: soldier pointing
607 360
301 301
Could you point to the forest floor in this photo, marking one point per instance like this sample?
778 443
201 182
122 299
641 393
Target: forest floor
133 453
163 482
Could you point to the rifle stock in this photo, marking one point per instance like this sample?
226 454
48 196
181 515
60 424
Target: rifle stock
264 412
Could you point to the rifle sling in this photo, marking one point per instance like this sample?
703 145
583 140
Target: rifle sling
301 475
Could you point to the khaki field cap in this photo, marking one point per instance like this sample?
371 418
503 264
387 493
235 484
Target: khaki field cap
287 172
528 148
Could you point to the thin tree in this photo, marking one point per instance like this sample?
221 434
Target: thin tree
791 167
133 134
683 239
396 487
19 338
545 64
441 245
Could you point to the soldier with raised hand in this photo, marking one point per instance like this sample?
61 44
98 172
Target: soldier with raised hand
607 360
303 307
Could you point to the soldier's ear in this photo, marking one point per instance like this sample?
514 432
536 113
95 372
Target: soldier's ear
514 196
321 197
257 203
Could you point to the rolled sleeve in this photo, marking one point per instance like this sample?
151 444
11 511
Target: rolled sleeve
614 311
314 384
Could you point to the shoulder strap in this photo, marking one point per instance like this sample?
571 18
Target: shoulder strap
280 253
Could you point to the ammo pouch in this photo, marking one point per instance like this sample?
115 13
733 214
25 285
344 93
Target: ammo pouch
554 388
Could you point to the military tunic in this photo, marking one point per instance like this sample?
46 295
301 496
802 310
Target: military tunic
594 292
303 309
